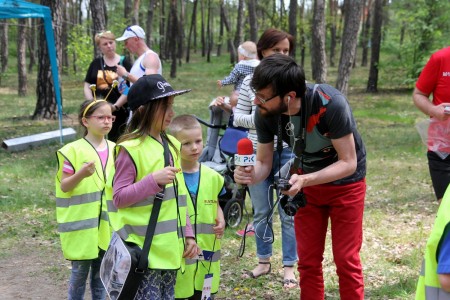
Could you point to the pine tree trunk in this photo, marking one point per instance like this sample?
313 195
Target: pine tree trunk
149 25
253 21
239 35
191 29
377 23
293 9
46 106
173 37
31 45
333 30
365 33
21 58
318 55
98 21
349 41
4 45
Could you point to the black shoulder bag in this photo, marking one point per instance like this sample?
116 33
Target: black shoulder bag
125 264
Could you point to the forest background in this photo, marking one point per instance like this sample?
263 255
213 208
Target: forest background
372 50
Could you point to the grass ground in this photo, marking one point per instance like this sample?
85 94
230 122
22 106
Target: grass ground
399 210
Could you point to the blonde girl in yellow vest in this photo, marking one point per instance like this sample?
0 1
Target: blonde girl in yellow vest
81 212
141 173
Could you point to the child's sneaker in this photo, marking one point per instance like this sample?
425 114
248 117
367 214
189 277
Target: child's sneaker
250 231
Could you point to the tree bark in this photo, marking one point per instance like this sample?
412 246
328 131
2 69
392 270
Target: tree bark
135 16
208 33
98 21
221 31
31 45
149 25
191 29
253 21
349 41
46 106
377 23
333 30
239 35
365 32
4 42
173 38
21 58
318 55
127 10
202 28
230 44
293 9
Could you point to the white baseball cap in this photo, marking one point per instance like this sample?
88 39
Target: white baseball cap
132 31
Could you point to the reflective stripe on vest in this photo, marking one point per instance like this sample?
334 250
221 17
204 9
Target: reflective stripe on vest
78 211
203 219
131 222
428 286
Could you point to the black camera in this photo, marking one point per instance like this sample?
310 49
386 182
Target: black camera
282 184
291 205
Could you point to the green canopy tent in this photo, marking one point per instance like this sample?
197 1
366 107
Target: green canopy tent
18 9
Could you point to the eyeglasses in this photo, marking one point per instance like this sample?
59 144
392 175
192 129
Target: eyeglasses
263 101
129 29
103 118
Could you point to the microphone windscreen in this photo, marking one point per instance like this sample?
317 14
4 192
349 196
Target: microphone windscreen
244 147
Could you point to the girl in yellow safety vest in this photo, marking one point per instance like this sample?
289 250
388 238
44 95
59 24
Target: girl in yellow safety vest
142 172
83 224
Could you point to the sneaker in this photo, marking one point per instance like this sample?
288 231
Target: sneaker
250 231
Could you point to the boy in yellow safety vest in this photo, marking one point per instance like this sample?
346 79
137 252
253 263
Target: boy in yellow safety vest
205 186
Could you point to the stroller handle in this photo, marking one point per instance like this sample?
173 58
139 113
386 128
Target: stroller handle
223 126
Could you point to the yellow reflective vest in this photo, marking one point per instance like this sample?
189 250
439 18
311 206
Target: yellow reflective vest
131 222
202 214
81 213
428 286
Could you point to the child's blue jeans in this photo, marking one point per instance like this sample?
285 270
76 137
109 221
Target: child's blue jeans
77 282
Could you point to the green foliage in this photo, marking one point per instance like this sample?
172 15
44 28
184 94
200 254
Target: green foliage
80 48
415 30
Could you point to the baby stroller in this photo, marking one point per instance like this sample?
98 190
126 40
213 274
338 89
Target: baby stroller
218 154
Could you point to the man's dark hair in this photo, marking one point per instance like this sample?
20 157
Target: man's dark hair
282 73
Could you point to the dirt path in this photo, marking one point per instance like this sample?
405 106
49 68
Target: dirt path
27 271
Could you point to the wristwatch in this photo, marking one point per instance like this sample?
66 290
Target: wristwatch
125 77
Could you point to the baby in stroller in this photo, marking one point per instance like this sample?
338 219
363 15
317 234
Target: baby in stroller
218 154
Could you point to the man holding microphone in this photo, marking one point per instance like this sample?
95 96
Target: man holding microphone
330 167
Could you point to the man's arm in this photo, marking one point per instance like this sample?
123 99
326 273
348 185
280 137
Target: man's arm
151 63
423 103
262 168
345 166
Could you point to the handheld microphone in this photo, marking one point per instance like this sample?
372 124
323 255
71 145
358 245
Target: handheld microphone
244 156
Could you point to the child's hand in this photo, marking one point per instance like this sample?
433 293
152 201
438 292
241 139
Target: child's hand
192 249
87 169
219 229
219 84
165 176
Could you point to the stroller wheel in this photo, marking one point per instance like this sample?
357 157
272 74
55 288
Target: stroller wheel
233 212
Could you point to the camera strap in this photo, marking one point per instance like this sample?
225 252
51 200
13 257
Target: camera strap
300 146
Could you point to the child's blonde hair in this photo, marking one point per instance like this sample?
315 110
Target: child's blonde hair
183 122
247 49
